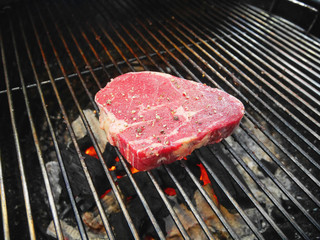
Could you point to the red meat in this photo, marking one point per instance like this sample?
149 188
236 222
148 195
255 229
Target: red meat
155 118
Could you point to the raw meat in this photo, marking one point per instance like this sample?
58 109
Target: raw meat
155 118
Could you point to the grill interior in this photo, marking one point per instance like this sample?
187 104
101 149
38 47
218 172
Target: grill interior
56 55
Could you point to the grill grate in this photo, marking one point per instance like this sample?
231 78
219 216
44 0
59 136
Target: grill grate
55 56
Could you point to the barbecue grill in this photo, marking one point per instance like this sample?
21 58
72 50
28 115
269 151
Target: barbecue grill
264 179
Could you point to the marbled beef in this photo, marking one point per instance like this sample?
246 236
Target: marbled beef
155 118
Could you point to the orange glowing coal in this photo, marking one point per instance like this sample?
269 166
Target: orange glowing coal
133 170
105 193
205 179
170 191
91 152
112 168
204 175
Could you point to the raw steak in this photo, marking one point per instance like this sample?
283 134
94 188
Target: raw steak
155 118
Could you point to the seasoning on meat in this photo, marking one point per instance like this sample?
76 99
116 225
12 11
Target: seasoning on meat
156 118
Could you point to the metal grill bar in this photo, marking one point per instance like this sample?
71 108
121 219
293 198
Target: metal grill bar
292 30
262 70
190 205
36 141
236 205
185 45
309 194
54 139
25 190
282 187
265 190
283 33
278 40
173 214
279 58
81 158
143 200
211 203
254 201
4 211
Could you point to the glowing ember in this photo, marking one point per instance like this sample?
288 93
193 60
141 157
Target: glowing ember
133 170
205 179
112 168
106 192
91 152
204 175
170 191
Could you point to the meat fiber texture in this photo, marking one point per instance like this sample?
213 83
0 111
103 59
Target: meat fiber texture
155 118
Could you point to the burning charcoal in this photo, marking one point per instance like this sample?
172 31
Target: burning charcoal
110 204
77 178
209 217
271 166
223 175
93 222
72 233
142 221
285 227
192 226
54 177
148 190
138 214
83 143
81 132
92 218
135 207
181 176
277 215
109 155
83 203
187 220
126 187
121 229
